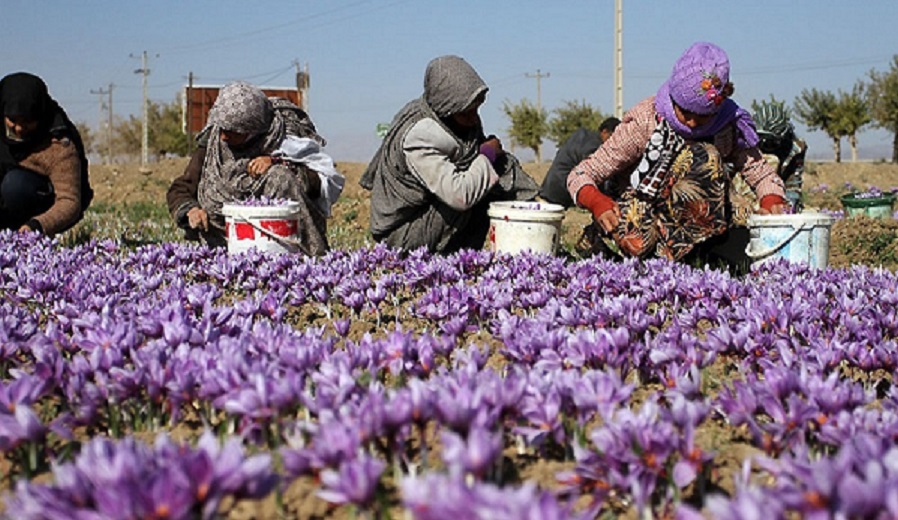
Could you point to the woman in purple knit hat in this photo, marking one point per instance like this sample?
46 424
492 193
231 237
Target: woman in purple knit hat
676 163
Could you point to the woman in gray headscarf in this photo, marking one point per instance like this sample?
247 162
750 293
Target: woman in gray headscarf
237 160
435 173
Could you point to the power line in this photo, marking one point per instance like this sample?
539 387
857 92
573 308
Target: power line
272 73
304 20
539 76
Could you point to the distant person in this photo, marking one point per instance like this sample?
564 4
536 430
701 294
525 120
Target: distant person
43 165
436 172
782 148
580 145
255 147
667 159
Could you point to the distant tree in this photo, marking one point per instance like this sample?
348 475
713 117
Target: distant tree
851 114
164 131
87 137
528 125
126 136
816 109
882 94
167 130
571 117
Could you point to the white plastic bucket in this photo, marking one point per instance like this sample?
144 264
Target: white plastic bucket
519 226
800 237
272 229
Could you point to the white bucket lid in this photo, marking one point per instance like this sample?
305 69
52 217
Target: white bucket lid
286 209
526 210
791 219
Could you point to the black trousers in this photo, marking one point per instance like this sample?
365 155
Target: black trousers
726 250
24 194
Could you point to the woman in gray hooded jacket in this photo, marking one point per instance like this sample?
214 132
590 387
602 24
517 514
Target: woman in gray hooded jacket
436 172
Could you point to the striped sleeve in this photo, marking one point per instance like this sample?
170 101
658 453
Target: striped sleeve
758 173
620 154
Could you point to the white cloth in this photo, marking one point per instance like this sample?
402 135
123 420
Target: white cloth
307 152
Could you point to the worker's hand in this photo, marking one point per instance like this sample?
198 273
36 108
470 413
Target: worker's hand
772 205
197 218
604 209
775 209
258 166
31 226
492 148
609 219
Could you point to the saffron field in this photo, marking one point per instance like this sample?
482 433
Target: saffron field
145 377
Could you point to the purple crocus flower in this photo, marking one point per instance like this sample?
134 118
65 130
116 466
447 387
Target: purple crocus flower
474 454
355 482
543 413
598 392
437 497
440 497
23 425
166 494
336 442
18 421
25 390
341 326
256 401
234 473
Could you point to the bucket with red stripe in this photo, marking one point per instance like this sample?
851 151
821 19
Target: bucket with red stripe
272 229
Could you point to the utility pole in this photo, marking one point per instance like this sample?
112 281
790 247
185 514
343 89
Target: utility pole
145 139
109 126
618 59
539 103
108 107
302 85
189 117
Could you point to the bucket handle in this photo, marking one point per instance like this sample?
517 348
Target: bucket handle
284 240
770 250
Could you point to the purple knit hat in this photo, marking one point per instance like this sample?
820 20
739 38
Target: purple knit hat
700 80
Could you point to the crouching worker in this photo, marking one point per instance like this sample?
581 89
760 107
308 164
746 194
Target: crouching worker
255 147
580 145
435 174
43 167
781 147
670 190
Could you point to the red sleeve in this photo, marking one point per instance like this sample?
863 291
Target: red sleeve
594 200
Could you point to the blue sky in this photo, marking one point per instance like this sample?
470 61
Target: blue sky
366 58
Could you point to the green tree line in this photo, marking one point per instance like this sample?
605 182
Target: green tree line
165 135
872 102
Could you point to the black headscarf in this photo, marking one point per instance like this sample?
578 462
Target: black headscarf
24 94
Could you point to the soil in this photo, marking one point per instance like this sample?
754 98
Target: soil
128 183
851 239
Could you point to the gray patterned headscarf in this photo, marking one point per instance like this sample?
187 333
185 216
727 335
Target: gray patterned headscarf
243 108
